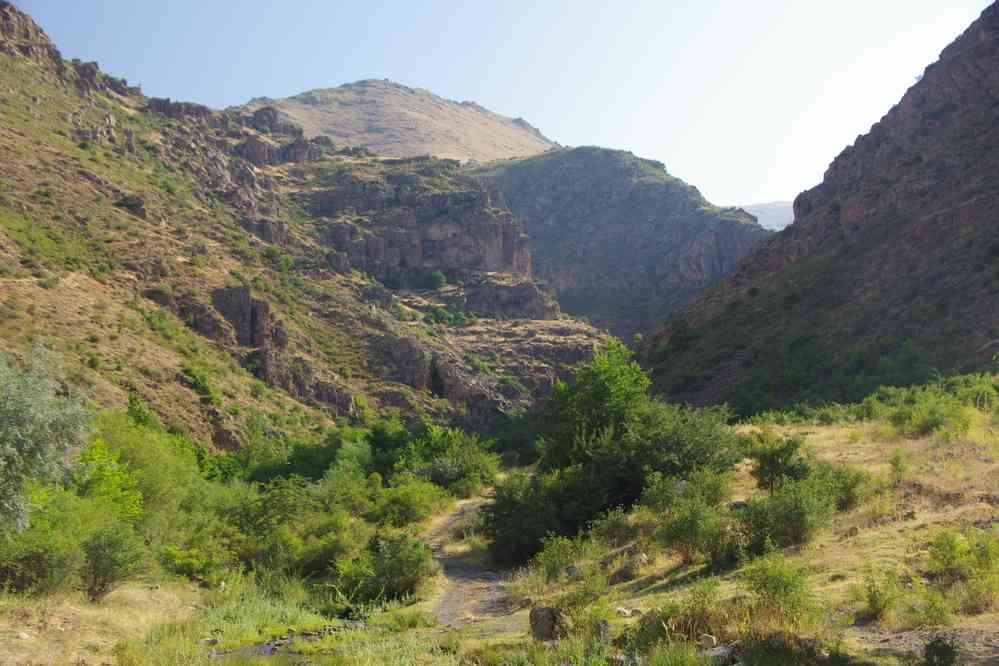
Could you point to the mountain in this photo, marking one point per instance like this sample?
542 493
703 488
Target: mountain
399 121
890 271
237 275
622 241
774 215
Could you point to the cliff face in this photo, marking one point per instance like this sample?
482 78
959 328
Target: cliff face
621 241
235 272
400 121
890 268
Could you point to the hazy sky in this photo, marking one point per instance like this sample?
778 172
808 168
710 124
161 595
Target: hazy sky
749 100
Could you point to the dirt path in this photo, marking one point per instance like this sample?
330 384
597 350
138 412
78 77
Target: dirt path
472 593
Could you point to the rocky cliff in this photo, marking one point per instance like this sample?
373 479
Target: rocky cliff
400 121
237 273
890 270
622 242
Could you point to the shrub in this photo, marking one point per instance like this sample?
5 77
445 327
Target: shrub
881 593
702 612
782 594
951 557
39 423
527 509
778 459
691 528
391 567
845 484
401 563
790 517
450 458
899 468
941 651
45 556
411 500
111 555
100 475
556 555
614 528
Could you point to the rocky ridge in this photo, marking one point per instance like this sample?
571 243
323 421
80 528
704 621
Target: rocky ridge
889 271
207 258
621 241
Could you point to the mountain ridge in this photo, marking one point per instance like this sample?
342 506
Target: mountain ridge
397 120
622 242
889 271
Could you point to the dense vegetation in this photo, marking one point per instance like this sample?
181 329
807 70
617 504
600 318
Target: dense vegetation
135 497
601 437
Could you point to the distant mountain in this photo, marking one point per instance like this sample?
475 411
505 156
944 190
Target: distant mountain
399 121
774 215
890 271
622 241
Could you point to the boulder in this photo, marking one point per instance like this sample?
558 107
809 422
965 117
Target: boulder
549 623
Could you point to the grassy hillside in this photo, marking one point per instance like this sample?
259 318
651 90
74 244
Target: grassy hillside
226 263
397 120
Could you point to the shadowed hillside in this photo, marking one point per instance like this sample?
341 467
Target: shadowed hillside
889 272
622 241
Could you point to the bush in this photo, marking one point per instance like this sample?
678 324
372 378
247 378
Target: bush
941 651
46 556
391 567
604 393
845 484
411 500
39 424
556 555
691 528
880 593
614 528
528 509
401 563
702 612
100 475
778 459
790 517
111 555
450 458
782 594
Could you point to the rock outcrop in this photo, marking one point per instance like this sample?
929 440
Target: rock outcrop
890 269
621 241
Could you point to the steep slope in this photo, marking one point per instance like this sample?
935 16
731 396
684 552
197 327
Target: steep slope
890 270
239 276
774 215
396 120
622 242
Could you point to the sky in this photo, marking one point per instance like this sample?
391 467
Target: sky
747 100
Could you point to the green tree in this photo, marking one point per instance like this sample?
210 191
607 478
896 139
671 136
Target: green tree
40 421
603 395
101 475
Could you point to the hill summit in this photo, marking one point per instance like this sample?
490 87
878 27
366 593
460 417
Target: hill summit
400 121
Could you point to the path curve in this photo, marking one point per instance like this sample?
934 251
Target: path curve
472 593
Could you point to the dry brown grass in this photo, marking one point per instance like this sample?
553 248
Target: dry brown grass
67 629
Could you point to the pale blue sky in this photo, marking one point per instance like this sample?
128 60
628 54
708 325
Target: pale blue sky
747 100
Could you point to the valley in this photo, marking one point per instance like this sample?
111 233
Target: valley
364 376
